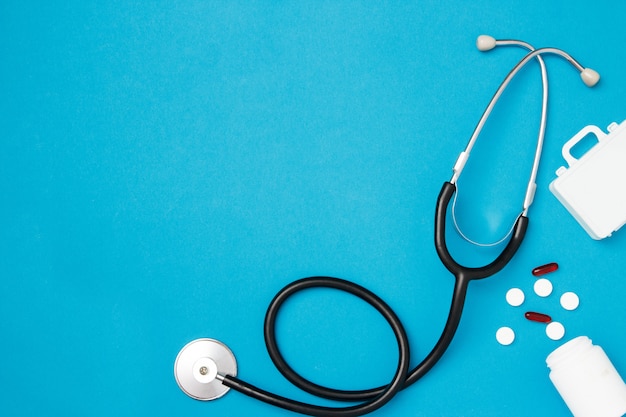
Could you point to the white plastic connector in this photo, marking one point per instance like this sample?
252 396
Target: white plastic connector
530 195
485 43
460 163
590 77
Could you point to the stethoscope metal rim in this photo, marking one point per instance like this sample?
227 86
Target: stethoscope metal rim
200 366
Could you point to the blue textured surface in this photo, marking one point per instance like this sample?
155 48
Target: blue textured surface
166 167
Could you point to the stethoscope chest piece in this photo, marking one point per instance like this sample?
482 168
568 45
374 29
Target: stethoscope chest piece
199 366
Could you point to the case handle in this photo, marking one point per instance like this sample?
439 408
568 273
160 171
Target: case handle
595 130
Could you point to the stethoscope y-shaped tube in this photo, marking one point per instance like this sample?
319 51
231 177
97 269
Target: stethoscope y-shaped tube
372 399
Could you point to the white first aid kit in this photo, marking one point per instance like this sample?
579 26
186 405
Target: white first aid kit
593 187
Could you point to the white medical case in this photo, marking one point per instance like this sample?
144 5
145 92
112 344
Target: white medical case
593 188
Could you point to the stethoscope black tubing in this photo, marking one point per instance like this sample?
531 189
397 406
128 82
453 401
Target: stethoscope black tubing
374 398
464 272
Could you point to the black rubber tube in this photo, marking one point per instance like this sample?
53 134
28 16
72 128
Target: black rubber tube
519 231
372 399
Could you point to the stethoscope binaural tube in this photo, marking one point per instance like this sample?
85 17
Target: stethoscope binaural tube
486 43
371 399
589 77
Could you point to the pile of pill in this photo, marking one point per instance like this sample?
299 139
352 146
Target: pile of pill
543 288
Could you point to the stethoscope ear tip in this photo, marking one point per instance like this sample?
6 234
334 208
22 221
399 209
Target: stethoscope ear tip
590 77
485 43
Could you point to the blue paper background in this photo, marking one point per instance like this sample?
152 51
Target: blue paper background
167 167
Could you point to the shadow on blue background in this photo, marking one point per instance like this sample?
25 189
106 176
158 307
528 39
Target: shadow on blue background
167 167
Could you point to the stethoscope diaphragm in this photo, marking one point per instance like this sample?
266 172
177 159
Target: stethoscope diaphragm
198 368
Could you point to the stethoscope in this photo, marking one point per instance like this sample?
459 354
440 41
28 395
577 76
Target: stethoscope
205 369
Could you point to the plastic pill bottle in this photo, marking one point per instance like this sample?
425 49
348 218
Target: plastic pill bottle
587 380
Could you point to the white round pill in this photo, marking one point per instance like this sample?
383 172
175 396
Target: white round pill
569 301
543 287
515 297
555 330
505 336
